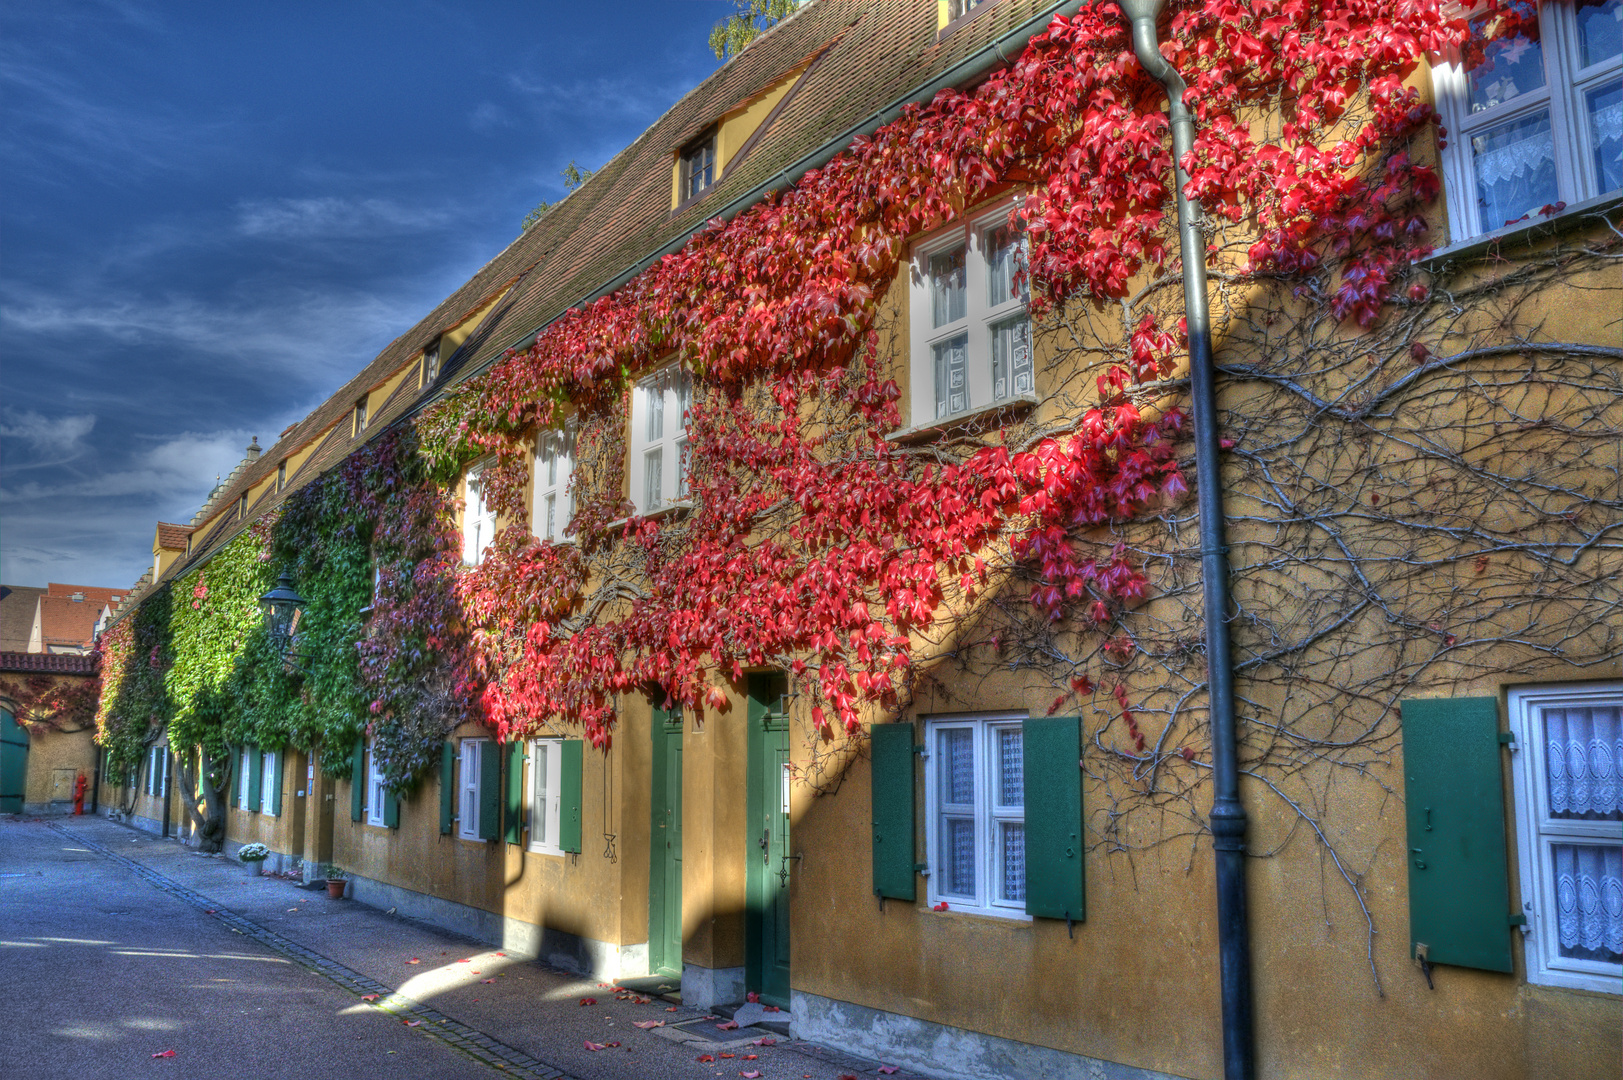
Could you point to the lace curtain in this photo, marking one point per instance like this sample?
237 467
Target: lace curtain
1589 900
1583 756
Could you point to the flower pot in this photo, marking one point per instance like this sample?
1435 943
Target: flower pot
335 889
255 867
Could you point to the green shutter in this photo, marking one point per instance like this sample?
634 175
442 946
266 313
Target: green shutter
447 787
515 792
357 781
276 792
391 809
256 778
569 788
237 788
894 872
490 790
1459 882
1051 750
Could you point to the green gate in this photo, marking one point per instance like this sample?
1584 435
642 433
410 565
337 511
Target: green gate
665 846
13 763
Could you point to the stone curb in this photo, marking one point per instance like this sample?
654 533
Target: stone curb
430 1022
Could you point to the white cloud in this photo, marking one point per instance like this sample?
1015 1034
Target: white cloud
53 441
179 471
332 217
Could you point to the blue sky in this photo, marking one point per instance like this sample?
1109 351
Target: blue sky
214 214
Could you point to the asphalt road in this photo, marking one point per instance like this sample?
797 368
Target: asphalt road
100 971
104 964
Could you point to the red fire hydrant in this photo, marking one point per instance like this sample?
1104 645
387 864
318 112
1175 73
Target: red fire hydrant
79 794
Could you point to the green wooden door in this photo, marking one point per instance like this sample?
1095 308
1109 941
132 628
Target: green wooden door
665 846
13 764
767 854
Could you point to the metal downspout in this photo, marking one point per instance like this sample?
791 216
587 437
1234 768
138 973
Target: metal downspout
1228 820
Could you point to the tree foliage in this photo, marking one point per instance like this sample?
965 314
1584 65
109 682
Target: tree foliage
574 176
751 19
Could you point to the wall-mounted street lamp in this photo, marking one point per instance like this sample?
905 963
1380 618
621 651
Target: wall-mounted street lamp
283 607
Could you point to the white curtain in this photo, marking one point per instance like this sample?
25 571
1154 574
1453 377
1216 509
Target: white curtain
1589 898
1583 759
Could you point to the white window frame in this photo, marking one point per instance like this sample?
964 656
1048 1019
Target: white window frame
157 782
554 469
467 789
267 784
478 519
546 798
374 787
659 431
981 314
987 813
242 766
1565 86
1536 832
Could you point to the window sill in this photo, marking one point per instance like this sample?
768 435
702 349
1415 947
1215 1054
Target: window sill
473 839
1525 232
984 915
558 852
681 506
942 425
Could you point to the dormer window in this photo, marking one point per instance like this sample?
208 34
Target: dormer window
242 506
429 369
358 423
281 476
698 166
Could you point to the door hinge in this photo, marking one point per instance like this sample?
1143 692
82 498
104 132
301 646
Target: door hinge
1518 919
1508 738
922 868
922 750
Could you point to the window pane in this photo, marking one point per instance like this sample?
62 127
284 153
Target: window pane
1589 900
1512 61
538 814
958 857
1011 768
654 395
1600 30
549 459
1012 858
684 399
682 469
1011 358
1002 251
551 517
958 766
952 376
947 291
652 479
1515 169
1583 751
1605 108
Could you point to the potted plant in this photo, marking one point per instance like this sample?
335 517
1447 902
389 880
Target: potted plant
253 856
335 881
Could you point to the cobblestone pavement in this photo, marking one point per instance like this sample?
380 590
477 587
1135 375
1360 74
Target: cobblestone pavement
447 996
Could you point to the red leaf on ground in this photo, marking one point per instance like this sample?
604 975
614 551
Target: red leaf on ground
750 1075
765 1040
704 1059
164 1053
752 997
588 1001
751 1057
887 1069
673 1008
727 1025
771 1008
594 1047
412 1023
485 980
726 1055
369 997
414 960
646 1024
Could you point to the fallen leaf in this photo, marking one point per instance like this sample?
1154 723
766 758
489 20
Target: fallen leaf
726 1055
412 1023
765 1040
704 1059
588 1001
209 911
501 954
466 960
886 1070
594 1047
414 960
485 980
752 997
164 1053
673 1008
369 997
727 1025
646 1024
770 1008
751 1057
751 1075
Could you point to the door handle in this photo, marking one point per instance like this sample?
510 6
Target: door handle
766 843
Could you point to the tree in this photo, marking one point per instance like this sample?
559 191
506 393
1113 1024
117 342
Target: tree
753 18
574 176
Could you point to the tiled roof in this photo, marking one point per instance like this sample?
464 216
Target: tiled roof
871 52
66 621
173 537
17 606
89 592
55 663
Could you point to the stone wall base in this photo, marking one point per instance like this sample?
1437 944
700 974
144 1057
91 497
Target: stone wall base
938 1050
705 988
598 959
